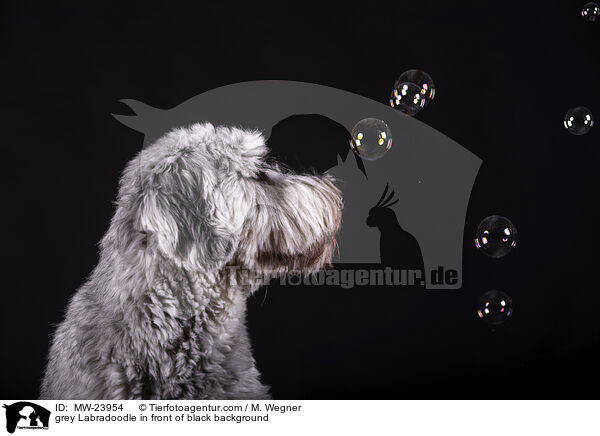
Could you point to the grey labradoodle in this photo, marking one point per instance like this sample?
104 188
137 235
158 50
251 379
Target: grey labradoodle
162 315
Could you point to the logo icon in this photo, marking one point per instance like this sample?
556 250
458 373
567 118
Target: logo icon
430 174
26 415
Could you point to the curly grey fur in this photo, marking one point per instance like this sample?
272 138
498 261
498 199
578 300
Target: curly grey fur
162 316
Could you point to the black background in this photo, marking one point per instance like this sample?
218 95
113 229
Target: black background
505 72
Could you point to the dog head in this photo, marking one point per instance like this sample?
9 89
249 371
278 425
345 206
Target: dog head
204 197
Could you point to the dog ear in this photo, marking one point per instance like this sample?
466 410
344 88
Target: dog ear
180 213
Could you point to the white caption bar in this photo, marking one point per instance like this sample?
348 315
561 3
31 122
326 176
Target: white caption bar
154 417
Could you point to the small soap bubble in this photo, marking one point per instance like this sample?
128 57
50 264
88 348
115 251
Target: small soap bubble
578 120
413 90
371 138
407 98
422 80
496 236
590 12
495 307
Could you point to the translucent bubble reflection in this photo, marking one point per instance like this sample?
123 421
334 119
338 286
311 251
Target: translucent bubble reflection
407 98
371 138
496 236
422 80
578 120
412 91
495 307
590 12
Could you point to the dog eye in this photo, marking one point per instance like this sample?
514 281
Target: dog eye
262 176
144 238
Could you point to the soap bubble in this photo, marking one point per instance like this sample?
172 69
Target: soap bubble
407 98
495 307
496 236
590 12
371 138
422 80
410 84
578 120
